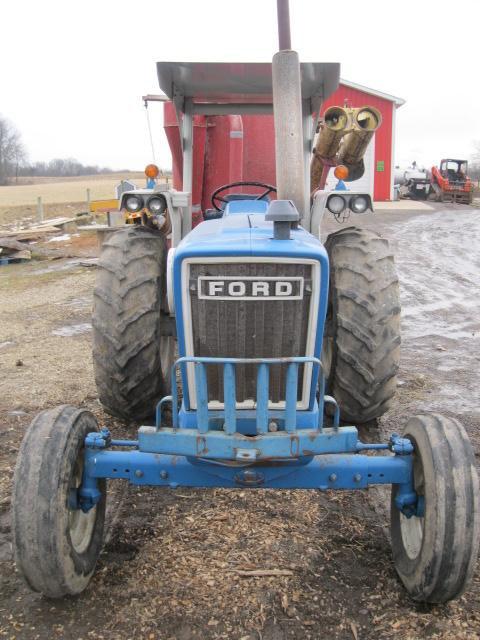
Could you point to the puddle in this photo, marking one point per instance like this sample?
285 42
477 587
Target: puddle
439 282
64 237
59 267
72 330
79 304
7 343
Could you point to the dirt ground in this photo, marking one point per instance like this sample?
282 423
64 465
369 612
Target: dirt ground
170 565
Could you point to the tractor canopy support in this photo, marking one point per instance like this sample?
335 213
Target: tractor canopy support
287 112
288 115
293 91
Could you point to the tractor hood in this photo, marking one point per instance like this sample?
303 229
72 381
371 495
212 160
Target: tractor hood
243 231
232 280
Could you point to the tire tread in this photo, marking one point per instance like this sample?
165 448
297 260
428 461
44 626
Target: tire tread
126 323
364 298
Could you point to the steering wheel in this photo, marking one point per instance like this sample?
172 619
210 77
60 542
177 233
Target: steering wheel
215 197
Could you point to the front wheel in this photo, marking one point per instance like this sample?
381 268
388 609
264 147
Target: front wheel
435 555
56 545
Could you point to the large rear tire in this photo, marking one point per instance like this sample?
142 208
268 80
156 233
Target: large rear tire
435 555
56 546
362 334
131 357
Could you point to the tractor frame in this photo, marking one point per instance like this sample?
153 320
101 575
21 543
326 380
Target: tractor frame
215 453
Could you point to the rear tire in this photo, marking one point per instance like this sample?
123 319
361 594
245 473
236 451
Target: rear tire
55 546
131 357
435 555
362 333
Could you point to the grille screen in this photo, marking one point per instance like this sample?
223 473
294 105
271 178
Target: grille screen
252 328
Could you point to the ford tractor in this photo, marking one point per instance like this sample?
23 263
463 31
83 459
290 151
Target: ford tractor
279 343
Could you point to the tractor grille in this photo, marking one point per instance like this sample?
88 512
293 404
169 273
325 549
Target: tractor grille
250 327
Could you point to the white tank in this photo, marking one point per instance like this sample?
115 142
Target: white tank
402 176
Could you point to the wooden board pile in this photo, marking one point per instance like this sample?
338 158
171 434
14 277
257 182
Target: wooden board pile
14 245
12 251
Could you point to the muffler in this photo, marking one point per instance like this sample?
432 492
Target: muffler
365 121
343 139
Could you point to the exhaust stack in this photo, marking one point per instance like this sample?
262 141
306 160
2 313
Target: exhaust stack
287 111
335 124
365 121
343 139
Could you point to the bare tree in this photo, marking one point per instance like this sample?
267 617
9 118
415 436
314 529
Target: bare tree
12 151
474 164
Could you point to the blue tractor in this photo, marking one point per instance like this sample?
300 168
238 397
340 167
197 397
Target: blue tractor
280 343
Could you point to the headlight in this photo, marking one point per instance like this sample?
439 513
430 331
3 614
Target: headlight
134 203
157 205
336 204
359 204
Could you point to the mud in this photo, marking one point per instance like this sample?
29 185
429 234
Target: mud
170 565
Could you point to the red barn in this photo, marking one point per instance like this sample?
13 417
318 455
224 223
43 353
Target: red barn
379 159
232 148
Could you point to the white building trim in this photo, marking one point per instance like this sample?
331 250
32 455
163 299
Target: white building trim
386 96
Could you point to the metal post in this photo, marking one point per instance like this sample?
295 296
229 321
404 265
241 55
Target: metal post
39 209
187 163
289 146
308 125
202 396
88 201
283 14
291 397
287 112
229 398
262 398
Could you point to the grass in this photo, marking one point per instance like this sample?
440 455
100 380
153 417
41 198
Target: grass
60 196
65 190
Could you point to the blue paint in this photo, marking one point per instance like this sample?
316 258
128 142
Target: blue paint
229 398
202 397
216 444
291 398
323 472
262 398
238 421
235 207
247 419
336 416
243 232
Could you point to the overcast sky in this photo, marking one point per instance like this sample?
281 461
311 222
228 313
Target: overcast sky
72 72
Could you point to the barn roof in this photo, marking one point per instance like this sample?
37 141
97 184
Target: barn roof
385 96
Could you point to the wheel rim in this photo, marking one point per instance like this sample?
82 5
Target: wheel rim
412 529
80 525
412 535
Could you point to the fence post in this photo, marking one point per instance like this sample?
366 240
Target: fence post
39 209
88 201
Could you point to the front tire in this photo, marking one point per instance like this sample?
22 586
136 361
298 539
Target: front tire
435 555
55 546
362 333
131 357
